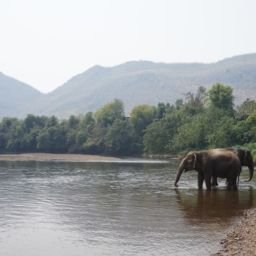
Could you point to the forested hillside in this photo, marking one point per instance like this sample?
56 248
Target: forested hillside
205 119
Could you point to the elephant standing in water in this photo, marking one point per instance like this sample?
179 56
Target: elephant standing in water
245 158
212 163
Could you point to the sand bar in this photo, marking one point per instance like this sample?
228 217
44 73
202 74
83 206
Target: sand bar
56 157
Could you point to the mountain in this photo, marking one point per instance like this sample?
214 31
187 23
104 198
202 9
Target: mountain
144 82
138 82
15 96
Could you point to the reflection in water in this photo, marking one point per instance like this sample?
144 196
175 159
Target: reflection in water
111 209
220 205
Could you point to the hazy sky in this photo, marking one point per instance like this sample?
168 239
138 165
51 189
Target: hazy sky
46 42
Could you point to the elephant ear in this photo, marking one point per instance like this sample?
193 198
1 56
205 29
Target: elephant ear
247 154
195 160
244 154
244 157
191 159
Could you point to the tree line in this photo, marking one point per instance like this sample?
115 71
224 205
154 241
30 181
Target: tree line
205 119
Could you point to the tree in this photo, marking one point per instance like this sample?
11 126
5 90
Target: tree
191 135
52 139
96 131
161 110
141 117
95 144
158 136
83 132
119 139
247 108
73 122
32 125
52 121
245 130
195 102
11 134
155 139
109 113
221 96
222 136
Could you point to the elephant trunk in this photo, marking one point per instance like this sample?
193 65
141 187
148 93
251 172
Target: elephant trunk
180 170
251 170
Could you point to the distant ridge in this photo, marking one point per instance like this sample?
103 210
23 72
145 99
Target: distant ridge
15 96
143 82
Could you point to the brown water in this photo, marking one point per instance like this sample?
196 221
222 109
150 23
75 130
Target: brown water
125 208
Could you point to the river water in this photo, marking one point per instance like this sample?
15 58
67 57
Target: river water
122 208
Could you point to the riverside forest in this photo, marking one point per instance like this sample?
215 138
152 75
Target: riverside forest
201 120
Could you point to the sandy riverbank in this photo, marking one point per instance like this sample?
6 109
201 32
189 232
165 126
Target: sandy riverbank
241 239
56 157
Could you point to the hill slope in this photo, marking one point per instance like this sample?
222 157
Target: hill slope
147 82
136 82
15 96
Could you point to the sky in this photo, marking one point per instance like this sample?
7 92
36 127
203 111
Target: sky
45 42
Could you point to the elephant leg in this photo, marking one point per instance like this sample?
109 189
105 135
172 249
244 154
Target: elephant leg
200 180
235 183
208 182
229 184
214 181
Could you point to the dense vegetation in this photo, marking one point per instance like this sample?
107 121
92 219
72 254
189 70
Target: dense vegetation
205 119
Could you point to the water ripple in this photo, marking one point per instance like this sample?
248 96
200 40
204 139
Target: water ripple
112 209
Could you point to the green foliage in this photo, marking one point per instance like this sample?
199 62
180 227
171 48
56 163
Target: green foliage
221 96
119 139
196 122
222 135
193 124
247 108
161 110
52 140
141 117
190 135
195 102
111 133
155 138
107 114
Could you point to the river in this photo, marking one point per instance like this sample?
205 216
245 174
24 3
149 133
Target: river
119 208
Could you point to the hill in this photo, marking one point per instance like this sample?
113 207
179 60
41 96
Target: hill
15 96
135 82
144 82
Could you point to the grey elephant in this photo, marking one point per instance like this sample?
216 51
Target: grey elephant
212 163
245 158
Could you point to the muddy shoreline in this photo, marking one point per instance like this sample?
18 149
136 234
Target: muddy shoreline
241 239
56 157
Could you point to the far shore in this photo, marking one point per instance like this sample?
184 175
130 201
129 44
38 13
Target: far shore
73 158
56 157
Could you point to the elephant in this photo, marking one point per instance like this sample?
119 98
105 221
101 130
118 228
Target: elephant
245 158
211 163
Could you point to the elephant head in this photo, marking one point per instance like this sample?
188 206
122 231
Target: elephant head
246 160
187 163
